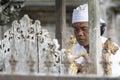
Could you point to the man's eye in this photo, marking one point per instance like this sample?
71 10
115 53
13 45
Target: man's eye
84 29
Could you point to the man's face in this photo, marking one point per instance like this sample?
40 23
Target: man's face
81 31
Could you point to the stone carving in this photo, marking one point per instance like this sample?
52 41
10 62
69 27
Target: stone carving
9 10
1 57
31 64
13 63
30 48
48 63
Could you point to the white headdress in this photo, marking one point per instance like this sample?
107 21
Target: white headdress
80 14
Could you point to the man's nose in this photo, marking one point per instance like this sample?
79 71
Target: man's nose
80 33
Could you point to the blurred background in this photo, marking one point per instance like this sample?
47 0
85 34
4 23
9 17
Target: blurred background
45 11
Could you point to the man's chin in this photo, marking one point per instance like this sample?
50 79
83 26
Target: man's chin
83 44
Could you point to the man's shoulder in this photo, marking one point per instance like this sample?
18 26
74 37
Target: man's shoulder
78 46
103 39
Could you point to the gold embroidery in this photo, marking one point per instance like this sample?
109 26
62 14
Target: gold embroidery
108 49
75 68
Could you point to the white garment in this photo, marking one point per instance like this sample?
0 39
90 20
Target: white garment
115 59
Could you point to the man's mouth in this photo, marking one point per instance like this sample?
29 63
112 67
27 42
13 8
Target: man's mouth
81 40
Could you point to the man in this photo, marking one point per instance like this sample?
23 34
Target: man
81 31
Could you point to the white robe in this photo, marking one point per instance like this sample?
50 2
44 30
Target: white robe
115 59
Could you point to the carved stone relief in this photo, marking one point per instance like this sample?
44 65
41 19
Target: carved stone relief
27 48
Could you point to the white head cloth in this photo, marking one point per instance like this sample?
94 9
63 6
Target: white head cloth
80 14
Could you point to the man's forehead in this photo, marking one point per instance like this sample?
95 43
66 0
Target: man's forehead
80 24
